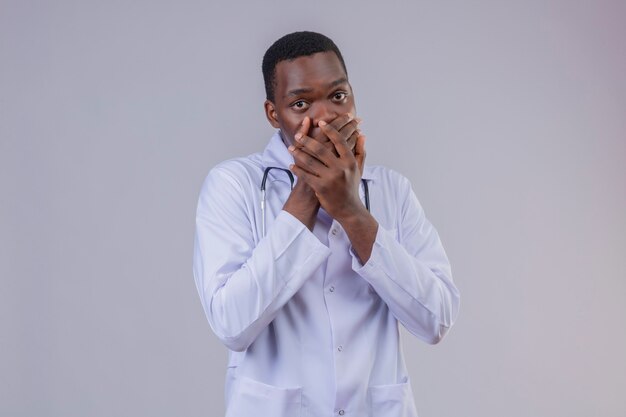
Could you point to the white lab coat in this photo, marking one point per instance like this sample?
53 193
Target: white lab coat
311 331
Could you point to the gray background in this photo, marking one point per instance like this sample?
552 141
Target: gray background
508 117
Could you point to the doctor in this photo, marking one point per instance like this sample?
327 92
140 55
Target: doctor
305 277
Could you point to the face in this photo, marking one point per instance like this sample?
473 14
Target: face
316 86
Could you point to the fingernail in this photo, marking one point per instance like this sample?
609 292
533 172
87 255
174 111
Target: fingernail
298 136
358 120
321 123
291 148
350 116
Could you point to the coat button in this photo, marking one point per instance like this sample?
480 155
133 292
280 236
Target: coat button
331 289
341 412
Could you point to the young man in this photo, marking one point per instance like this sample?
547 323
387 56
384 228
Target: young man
305 283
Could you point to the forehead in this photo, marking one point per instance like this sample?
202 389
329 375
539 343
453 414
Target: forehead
310 71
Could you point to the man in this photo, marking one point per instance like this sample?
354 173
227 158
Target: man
306 285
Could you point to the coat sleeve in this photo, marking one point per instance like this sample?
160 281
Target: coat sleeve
411 272
243 285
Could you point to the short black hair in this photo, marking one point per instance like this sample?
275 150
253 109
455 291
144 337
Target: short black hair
290 47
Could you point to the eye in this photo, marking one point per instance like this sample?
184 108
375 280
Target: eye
340 96
299 105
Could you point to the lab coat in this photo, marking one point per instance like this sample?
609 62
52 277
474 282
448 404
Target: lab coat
310 330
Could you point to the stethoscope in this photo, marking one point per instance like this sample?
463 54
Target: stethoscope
366 192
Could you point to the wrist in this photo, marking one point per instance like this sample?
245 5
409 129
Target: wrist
303 192
354 218
303 204
361 228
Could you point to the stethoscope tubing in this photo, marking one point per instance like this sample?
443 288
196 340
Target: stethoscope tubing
366 192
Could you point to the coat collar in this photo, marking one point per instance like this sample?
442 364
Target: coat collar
277 155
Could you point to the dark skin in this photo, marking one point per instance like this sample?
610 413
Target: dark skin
314 109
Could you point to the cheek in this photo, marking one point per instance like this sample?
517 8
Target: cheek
293 123
352 107
288 124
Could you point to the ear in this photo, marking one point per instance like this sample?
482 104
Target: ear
270 113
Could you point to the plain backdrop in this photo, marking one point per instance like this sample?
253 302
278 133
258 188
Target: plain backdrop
508 117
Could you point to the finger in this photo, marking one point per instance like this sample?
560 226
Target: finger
305 176
302 130
341 120
347 131
308 144
352 140
306 161
340 143
338 123
359 152
305 126
345 123
319 151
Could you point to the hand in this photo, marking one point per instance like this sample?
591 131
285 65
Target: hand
346 123
302 202
348 126
334 177
335 180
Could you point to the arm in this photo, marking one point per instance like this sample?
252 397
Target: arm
242 284
413 275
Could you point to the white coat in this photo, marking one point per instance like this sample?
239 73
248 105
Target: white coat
311 331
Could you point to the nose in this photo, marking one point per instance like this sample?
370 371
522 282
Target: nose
321 112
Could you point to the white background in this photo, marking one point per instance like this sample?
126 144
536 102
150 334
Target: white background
508 117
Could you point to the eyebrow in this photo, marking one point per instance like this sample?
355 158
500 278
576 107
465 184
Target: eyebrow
299 91
340 81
